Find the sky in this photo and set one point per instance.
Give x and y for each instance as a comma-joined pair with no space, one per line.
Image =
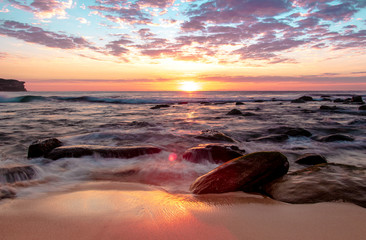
163,45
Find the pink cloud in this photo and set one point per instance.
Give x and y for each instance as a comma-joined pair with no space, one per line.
37,35
45,9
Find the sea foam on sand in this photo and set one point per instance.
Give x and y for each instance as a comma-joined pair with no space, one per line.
105,210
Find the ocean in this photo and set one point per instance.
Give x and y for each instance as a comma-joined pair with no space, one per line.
126,119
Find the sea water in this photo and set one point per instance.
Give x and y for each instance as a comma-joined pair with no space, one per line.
126,119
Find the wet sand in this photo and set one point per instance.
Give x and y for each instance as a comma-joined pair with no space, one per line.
105,210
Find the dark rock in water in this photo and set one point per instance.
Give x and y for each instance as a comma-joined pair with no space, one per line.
306,98
140,124
357,99
272,138
16,173
321,183
42,147
10,85
290,131
213,153
7,192
214,135
249,114
297,101
239,103
328,108
182,103
246,173
326,99
234,112
104,151
160,106
336,137
339,100
311,159
362,108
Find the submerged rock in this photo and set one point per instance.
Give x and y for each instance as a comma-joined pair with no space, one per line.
42,147
77,151
245,173
239,103
16,173
271,138
290,131
336,137
298,101
213,153
7,192
234,112
214,135
160,106
362,108
321,183
311,159
328,108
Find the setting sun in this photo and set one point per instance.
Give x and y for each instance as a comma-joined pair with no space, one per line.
189,86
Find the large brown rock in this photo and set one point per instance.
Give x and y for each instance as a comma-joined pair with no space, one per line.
213,153
245,173
321,183
42,147
77,151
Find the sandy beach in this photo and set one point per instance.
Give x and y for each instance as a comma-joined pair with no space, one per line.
106,210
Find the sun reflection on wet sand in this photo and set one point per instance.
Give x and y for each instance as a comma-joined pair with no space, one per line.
108,210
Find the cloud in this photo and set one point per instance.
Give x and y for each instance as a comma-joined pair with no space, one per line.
3,55
325,78
37,35
82,20
45,9
117,47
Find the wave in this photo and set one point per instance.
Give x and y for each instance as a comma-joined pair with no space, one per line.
174,98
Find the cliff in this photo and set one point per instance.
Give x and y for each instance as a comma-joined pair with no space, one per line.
10,85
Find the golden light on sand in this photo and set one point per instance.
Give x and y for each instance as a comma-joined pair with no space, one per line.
189,86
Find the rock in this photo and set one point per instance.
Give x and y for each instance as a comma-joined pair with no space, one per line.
77,151
239,103
306,98
336,137
311,159
246,173
339,100
272,138
357,99
7,192
213,153
160,106
234,112
182,103
328,108
42,147
290,131
16,173
321,183
11,85
214,135
249,114
362,108
297,101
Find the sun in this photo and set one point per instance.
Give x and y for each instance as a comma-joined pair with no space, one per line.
189,86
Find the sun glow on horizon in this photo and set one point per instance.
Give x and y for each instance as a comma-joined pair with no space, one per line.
189,86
